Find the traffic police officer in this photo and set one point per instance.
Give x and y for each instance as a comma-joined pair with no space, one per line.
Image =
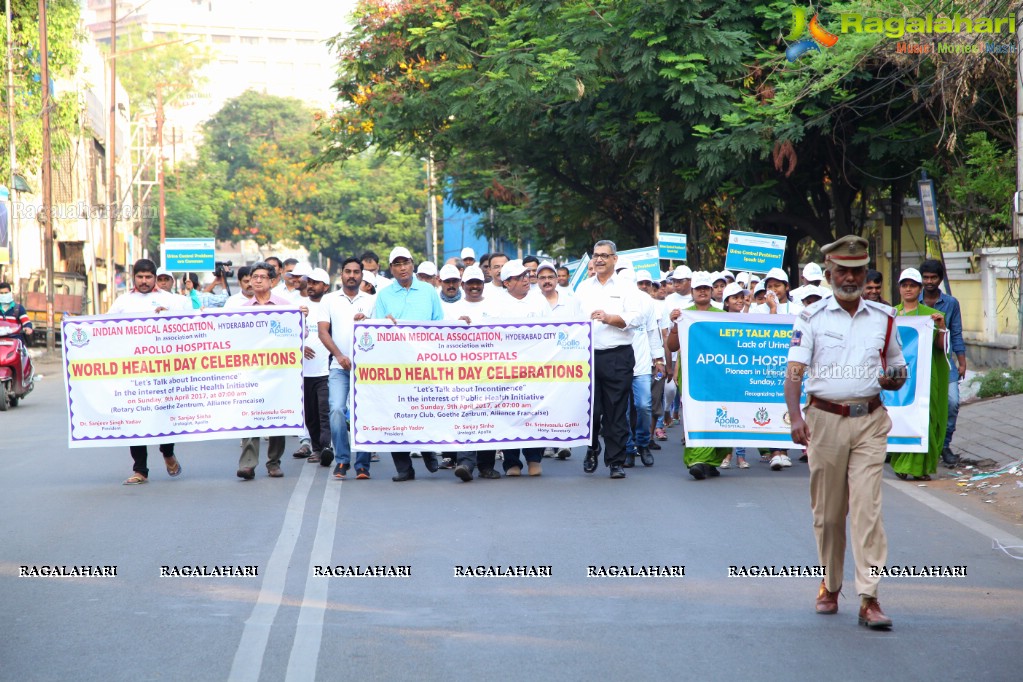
853,352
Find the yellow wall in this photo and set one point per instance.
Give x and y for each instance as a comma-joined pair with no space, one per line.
970,302
1008,315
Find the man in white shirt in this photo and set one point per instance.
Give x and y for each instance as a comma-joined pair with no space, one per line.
427,272
614,305
450,290
336,327
146,299
494,287
235,300
648,347
315,370
295,282
470,307
562,305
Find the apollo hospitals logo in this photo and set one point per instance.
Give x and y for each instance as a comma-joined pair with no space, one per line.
721,418
79,338
366,342
564,342
278,329
819,37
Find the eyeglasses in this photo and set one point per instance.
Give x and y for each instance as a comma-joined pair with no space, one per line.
602,256
256,278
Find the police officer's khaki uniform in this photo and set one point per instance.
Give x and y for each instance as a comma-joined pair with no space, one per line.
843,356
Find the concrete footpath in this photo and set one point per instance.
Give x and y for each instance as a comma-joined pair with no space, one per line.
989,433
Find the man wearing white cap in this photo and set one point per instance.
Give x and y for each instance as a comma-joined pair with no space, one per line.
315,370
812,276
853,353
369,283
427,272
648,349
165,280
468,256
407,298
336,328
450,289
470,307
614,306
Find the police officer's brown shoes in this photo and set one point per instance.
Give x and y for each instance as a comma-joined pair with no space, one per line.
827,602
246,473
872,616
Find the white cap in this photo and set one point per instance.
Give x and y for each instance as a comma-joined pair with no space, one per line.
715,276
317,275
300,270
754,277
810,290
547,265
449,272
427,268
627,275
702,279
164,272
467,252
398,252
911,274
777,273
731,289
473,272
643,276
728,274
512,268
682,272
812,272
760,287
369,276
742,278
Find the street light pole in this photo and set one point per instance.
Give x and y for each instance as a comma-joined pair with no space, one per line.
46,214
112,154
12,151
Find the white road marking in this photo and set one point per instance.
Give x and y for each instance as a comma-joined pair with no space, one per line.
986,529
248,659
305,650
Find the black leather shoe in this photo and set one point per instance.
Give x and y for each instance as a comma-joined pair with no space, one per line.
630,460
409,475
430,460
711,471
326,456
654,445
464,472
590,463
646,456
697,472
617,471
489,473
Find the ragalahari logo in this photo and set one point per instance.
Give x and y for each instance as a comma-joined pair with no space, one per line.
818,36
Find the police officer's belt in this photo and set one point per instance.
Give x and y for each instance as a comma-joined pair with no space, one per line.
851,410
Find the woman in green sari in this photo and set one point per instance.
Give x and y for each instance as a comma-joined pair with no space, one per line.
920,465
701,462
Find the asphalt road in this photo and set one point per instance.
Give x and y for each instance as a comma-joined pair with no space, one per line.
67,507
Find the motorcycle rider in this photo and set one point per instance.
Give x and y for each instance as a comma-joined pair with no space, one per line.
15,312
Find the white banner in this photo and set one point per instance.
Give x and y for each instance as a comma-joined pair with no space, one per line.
732,381
134,380
448,386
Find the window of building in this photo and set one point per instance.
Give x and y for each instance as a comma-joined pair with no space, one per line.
221,38
249,40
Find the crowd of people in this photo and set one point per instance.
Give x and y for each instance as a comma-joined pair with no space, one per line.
636,368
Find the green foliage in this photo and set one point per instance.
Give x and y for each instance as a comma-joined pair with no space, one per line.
252,180
974,195
142,65
998,382
62,38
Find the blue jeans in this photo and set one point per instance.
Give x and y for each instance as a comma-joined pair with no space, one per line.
953,407
338,385
639,435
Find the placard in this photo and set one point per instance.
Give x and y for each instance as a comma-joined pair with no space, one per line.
754,252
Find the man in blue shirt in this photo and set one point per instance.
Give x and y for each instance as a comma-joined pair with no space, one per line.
407,298
933,273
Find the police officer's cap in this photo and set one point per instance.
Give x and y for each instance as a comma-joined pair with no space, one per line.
850,251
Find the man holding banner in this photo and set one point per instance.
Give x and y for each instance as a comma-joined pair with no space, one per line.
853,352
147,298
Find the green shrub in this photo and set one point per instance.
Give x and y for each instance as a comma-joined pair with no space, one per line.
1001,382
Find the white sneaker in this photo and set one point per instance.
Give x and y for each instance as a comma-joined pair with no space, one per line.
743,465
725,465
776,462
785,461
548,452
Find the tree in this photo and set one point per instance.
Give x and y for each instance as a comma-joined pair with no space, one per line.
142,65
62,18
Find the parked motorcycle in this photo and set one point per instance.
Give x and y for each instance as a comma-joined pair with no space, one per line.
17,376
